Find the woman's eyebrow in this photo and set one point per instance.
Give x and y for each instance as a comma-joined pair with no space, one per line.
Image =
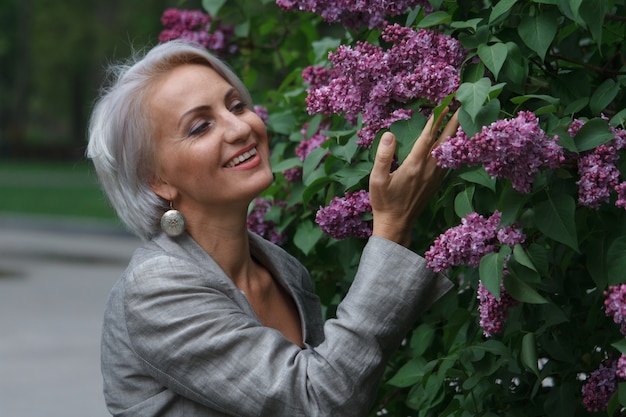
205,107
199,109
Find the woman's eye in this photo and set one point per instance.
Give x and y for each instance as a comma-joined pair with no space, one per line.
238,107
199,129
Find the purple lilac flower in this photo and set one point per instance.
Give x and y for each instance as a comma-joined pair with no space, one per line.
513,148
343,217
377,83
257,224
597,169
354,14
621,367
600,386
493,311
615,305
599,176
195,26
621,195
468,242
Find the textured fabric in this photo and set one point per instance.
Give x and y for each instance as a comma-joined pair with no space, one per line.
179,339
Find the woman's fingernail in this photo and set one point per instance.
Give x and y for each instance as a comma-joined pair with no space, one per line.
386,140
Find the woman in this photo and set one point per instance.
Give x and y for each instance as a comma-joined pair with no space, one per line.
209,319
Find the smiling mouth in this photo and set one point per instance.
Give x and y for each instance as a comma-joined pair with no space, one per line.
241,158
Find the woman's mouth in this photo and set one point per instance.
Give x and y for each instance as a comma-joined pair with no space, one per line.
241,158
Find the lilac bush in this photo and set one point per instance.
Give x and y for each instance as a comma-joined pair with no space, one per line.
532,213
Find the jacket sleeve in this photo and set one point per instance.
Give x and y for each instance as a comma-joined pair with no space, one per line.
196,340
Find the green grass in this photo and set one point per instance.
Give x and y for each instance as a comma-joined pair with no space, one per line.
67,189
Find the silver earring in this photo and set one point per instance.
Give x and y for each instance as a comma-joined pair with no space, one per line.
173,222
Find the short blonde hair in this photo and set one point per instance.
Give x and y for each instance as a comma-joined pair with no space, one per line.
121,131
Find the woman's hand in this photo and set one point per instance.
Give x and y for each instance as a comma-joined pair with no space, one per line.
397,198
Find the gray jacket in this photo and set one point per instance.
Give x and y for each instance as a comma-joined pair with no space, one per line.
179,338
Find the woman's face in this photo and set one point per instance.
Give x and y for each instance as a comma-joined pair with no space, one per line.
211,150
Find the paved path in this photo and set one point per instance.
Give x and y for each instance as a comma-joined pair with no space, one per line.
54,280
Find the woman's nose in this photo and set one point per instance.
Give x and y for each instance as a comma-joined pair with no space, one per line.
236,127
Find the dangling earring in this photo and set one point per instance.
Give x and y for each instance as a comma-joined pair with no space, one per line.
173,222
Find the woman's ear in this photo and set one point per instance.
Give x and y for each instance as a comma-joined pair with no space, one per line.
162,188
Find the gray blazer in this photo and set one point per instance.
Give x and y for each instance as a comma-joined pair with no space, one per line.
179,338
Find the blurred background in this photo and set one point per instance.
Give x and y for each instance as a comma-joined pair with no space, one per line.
61,247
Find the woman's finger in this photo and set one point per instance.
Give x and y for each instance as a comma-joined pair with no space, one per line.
383,160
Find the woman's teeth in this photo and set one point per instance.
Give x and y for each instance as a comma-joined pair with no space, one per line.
241,158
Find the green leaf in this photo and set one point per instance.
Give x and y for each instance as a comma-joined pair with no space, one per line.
529,353
310,170
493,56
307,235
549,99
594,133
501,9
314,187
406,132
520,256
351,175
411,373
346,151
463,201
480,176
619,119
490,270
282,122
434,19
286,164
213,6
620,345
554,217
576,105
570,8
487,114
603,96
538,32
470,24
321,47
421,339
473,95
616,261
593,12
521,291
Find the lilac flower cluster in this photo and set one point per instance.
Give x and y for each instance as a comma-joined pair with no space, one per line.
512,148
354,14
257,224
468,242
598,172
304,149
615,305
195,26
369,80
493,311
343,217
600,386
